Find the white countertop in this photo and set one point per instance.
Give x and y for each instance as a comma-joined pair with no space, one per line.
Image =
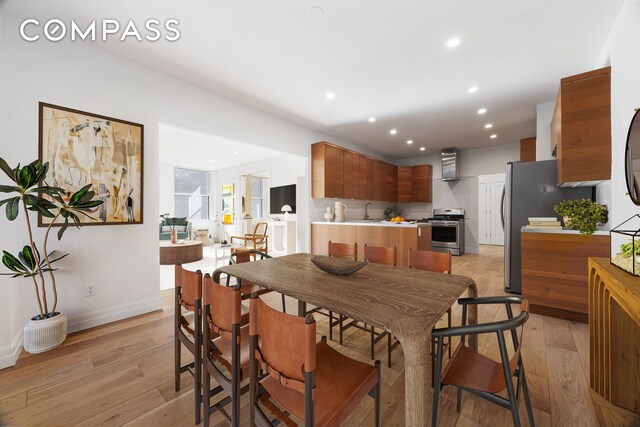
563,231
377,223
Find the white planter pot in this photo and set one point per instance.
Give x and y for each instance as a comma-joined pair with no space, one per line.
43,335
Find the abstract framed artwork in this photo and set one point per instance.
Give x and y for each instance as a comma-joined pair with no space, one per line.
227,190
85,148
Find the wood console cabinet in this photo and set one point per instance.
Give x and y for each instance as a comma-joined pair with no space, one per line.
554,271
614,334
344,174
581,128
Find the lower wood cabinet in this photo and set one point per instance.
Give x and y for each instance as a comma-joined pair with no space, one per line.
555,272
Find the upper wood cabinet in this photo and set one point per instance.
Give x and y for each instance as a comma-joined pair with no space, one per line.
327,171
378,181
366,178
421,183
528,149
405,178
389,182
351,175
581,128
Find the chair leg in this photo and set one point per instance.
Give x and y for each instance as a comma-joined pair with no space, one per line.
197,365
513,402
284,304
341,320
527,399
373,343
206,386
449,325
389,350
377,396
458,399
331,325
177,361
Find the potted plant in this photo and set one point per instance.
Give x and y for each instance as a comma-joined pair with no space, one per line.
583,215
392,212
30,193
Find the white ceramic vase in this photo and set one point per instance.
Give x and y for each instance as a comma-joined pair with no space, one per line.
43,335
329,215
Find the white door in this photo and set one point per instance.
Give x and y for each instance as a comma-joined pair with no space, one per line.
495,225
483,214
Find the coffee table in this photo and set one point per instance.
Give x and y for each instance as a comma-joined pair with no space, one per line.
189,251
224,248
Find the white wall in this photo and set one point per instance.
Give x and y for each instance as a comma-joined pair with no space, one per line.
464,193
121,260
625,97
544,116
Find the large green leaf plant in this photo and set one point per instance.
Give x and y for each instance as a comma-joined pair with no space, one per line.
30,192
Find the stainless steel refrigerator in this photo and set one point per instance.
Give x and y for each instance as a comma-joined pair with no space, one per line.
530,190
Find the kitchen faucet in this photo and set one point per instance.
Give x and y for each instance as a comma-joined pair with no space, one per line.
366,210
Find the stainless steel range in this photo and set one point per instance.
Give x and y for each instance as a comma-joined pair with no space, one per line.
447,230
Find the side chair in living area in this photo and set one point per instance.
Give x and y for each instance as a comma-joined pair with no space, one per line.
378,255
477,374
309,380
258,240
187,328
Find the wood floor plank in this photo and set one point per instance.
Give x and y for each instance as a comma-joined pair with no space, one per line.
126,411
571,403
557,333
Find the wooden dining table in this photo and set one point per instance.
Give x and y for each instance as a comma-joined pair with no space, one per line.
405,302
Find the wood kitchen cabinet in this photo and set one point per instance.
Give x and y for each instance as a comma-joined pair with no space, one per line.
327,171
405,178
351,175
581,128
528,149
378,187
421,183
366,178
389,182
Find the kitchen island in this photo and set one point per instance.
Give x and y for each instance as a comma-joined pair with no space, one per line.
403,236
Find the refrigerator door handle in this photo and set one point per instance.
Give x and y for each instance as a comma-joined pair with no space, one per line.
503,207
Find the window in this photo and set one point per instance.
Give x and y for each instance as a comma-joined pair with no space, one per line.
191,193
257,199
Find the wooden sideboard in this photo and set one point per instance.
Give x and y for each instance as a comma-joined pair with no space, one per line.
554,271
614,333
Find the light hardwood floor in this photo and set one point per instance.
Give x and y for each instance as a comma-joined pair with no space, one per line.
122,373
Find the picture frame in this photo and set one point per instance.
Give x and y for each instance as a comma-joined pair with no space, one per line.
227,190
87,148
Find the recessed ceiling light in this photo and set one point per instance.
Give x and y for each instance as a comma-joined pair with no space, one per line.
422,148
409,141
315,12
393,131
330,95
488,126
453,42
493,136
473,89
372,119
235,152
482,111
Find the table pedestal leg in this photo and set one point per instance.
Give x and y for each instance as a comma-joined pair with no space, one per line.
418,393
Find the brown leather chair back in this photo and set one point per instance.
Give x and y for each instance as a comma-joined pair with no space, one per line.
190,286
225,302
343,250
438,262
242,255
286,343
380,254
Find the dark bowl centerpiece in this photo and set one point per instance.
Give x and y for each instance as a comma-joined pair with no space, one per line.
337,266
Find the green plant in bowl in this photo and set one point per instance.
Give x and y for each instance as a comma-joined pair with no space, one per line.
583,215
392,212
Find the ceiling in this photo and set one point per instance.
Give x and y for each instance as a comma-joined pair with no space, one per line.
381,58
197,150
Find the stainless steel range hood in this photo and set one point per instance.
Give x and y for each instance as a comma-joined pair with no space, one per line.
450,164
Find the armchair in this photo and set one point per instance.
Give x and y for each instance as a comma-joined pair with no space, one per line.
257,241
182,226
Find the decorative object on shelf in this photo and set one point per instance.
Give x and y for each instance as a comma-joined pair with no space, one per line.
102,152
632,159
627,236
48,329
340,209
337,266
328,216
583,215
392,212
286,209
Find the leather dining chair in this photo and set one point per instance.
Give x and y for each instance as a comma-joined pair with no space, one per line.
248,288
377,255
187,328
309,380
338,250
479,375
226,348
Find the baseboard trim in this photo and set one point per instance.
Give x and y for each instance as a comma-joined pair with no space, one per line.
472,250
9,355
92,319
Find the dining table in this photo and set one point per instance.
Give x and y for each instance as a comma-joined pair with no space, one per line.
405,302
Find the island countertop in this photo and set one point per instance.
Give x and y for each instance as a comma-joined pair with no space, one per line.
374,223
